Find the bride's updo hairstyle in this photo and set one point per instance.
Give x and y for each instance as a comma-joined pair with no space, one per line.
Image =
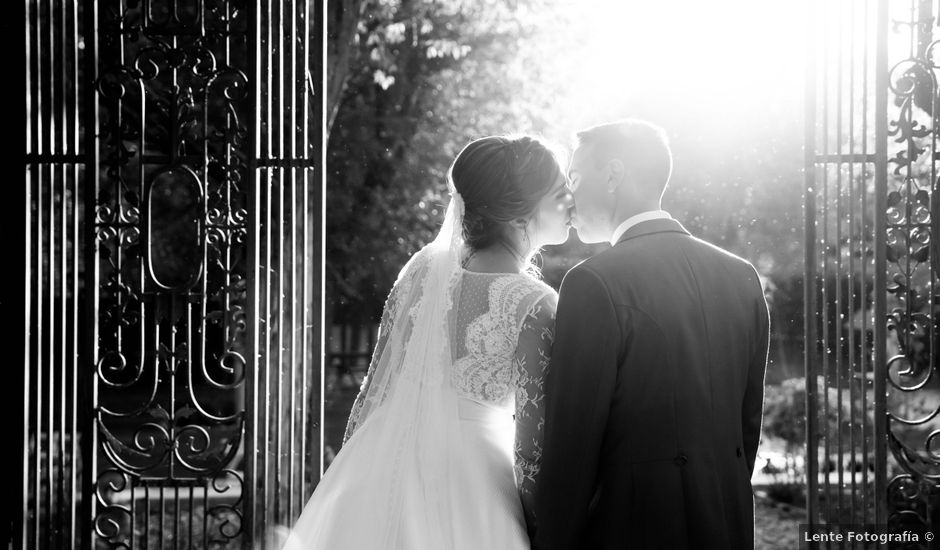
501,179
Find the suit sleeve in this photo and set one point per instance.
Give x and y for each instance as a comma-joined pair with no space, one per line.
752,409
578,392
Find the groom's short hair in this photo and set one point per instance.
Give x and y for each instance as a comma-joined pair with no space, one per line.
642,146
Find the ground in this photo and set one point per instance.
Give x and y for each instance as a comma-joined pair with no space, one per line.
776,525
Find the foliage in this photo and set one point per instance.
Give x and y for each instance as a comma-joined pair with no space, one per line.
785,419
792,493
429,76
785,410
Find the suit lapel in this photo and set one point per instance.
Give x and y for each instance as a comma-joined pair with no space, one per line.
650,227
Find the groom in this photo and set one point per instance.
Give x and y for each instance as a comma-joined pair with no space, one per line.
655,391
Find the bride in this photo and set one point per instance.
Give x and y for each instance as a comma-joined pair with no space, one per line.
443,441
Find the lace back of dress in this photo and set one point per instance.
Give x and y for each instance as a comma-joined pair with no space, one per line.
490,312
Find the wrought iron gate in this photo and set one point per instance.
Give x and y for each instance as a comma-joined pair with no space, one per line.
872,258
173,209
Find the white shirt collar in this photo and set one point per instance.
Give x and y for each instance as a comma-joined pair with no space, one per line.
633,220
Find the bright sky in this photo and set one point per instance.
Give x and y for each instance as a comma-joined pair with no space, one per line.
709,59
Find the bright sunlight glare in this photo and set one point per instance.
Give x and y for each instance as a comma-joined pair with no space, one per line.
710,60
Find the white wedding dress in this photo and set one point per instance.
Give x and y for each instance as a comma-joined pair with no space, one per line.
443,442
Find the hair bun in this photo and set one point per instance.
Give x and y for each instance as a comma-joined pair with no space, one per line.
501,178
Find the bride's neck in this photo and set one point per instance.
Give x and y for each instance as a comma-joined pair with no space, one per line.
497,258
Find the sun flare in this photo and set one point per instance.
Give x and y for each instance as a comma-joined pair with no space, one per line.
728,56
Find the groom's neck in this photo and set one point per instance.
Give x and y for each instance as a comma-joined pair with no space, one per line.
624,213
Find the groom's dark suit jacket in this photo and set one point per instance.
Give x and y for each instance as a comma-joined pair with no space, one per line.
654,398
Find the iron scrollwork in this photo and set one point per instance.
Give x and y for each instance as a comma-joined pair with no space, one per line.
912,280
171,239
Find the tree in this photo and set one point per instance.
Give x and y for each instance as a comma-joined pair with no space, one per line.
342,24
428,76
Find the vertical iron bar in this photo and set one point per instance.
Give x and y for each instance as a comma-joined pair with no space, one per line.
67,336
932,269
852,378
191,489
205,520
839,335
809,273
268,487
269,227
76,247
292,36
147,515
863,191
881,187
24,198
252,418
63,280
305,273
177,535
63,356
38,91
51,89
278,124
824,244
162,521
324,137
133,512
40,320
202,311
838,251
171,409
268,258
292,365
45,274
24,511
49,187
88,352
27,68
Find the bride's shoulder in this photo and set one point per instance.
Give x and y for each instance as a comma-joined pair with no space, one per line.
536,292
539,284
415,265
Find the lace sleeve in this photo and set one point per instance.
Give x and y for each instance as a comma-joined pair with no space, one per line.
356,417
530,366
400,298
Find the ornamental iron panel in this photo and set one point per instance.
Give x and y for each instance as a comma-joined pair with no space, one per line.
872,293
173,214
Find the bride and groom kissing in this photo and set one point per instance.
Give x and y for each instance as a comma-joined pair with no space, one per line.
622,412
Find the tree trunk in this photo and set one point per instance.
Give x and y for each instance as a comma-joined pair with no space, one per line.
343,18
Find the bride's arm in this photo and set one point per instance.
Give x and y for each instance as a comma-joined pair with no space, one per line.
531,363
357,416
401,296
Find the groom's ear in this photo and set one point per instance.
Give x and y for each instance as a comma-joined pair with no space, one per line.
615,174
